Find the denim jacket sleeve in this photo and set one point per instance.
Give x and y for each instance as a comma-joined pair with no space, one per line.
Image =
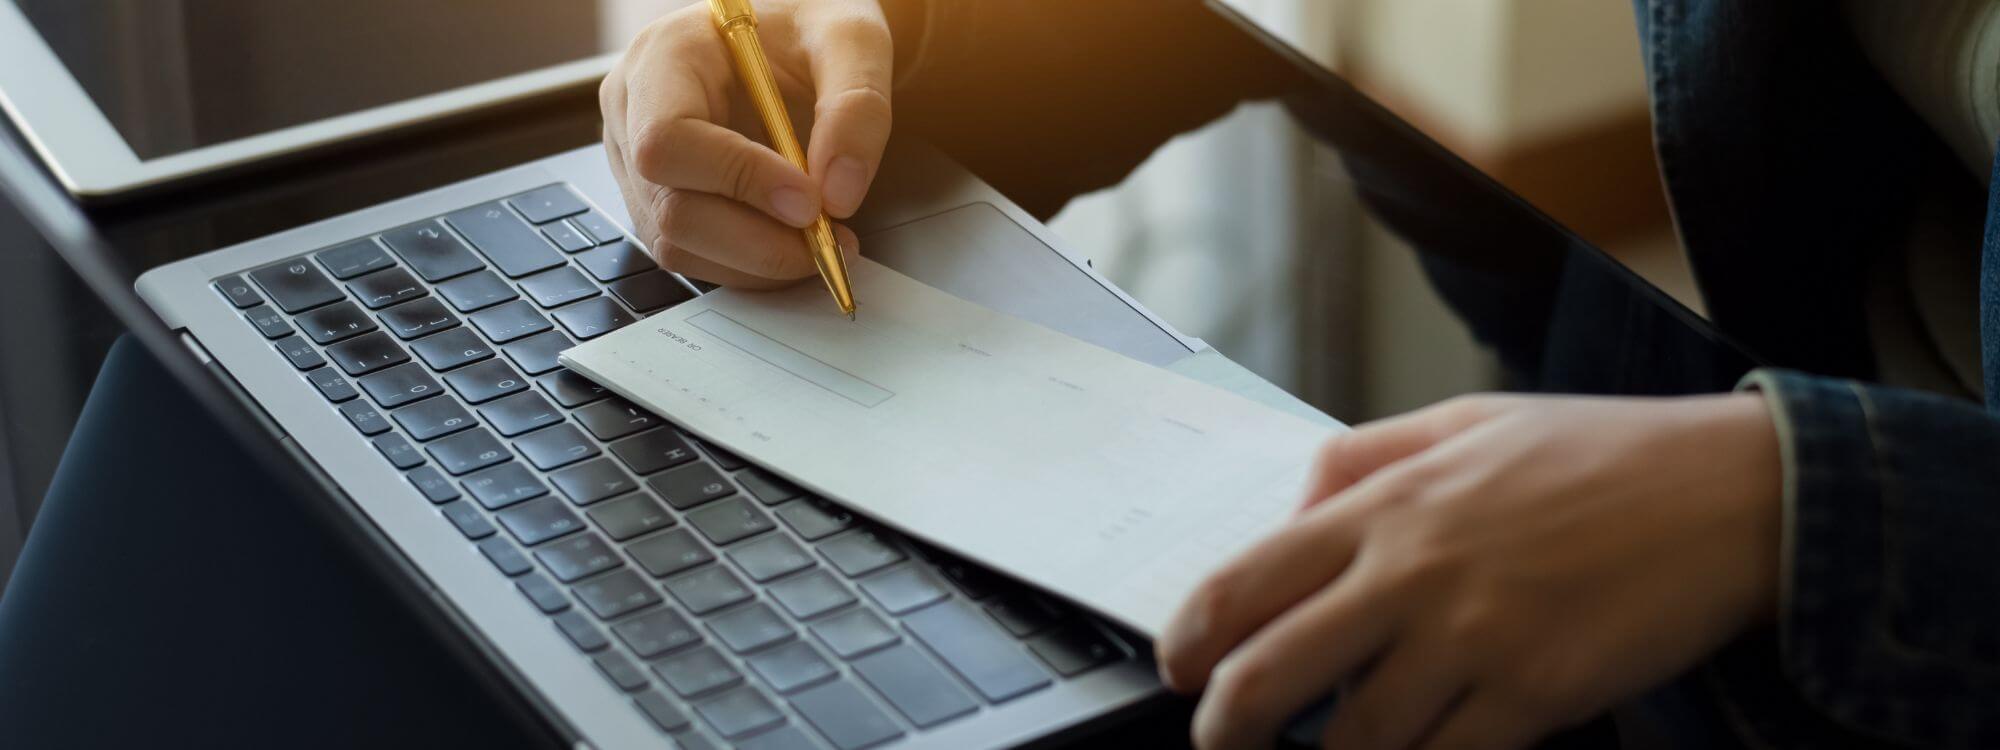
1890,618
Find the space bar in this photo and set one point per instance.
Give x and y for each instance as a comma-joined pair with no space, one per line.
994,664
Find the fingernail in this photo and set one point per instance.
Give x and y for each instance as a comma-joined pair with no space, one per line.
793,207
846,185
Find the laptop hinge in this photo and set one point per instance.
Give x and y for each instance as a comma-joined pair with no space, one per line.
200,352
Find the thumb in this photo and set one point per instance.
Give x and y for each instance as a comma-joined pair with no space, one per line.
1352,456
852,68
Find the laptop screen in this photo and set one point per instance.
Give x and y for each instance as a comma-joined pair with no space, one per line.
176,75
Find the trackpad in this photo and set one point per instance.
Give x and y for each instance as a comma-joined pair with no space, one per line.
980,255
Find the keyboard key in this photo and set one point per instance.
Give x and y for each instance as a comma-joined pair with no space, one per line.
454,348
353,259
572,390
476,291
559,446
619,669
596,480
418,319
976,582
335,323
653,451
616,593
814,519
1074,649
728,461
537,354
1021,614
385,288
787,737
238,292
649,291
628,517
592,318
669,553
538,521
545,594
485,381
469,451
657,632
859,553
295,285
663,712
903,589
331,385
750,628
468,520
399,451
690,485
613,262
577,557
923,693
854,632
365,417
400,385
366,354
810,595
513,246
544,205
268,321
568,238
994,664
769,489
435,253
301,354
599,227
615,418
770,557
520,413
845,716
504,485
510,321
740,712
730,520
791,666
708,589
699,671
557,287
435,487
505,556
435,418
581,631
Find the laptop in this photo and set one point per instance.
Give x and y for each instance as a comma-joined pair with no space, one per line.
634,586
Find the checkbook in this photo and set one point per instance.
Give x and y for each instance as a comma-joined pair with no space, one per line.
1101,479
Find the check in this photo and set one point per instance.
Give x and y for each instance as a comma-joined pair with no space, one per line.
1104,480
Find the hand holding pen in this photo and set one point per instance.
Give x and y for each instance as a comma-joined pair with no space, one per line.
713,203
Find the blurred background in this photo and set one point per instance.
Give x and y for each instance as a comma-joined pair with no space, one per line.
1547,96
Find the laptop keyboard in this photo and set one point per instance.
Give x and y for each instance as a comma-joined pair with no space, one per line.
734,608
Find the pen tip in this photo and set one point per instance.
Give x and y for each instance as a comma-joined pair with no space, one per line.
850,316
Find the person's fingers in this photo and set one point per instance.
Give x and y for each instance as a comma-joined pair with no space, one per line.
1484,721
1351,456
1296,659
1399,699
853,70
676,97
1262,582
733,235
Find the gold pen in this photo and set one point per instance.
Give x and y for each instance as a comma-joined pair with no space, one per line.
738,26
